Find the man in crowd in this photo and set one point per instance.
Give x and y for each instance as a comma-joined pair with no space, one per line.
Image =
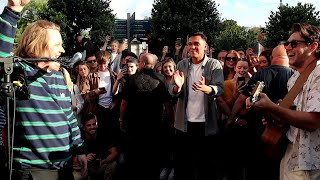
197,82
101,152
302,157
275,78
47,132
145,93
91,61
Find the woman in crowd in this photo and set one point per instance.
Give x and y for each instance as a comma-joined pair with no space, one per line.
229,63
265,58
233,134
168,68
76,98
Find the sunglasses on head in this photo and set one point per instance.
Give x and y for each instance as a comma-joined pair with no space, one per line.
231,58
294,43
92,61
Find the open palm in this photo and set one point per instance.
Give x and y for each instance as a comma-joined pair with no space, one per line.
178,78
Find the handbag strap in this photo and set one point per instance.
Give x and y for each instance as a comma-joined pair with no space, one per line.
297,87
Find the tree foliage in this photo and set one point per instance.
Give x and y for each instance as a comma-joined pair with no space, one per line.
73,17
32,12
80,15
175,19
233,36
280,22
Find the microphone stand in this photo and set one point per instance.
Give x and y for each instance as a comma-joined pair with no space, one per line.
8,90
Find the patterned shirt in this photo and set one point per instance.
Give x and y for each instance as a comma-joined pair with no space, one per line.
306,144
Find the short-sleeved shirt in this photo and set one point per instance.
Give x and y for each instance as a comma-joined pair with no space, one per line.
306,144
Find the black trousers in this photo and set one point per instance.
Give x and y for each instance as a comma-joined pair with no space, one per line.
108,124
196,155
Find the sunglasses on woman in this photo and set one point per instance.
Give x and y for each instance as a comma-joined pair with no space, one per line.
231,58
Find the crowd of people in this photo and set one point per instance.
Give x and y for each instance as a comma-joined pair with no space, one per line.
182,116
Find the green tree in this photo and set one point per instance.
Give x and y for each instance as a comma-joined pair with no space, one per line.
175,19
32,12
93,15
233,36
280,22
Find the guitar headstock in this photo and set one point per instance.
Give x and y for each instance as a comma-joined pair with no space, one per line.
256,91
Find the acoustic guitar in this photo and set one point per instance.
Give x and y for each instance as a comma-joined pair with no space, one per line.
274,134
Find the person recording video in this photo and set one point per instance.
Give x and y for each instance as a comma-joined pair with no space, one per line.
46,132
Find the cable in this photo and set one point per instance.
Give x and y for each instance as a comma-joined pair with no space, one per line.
12,139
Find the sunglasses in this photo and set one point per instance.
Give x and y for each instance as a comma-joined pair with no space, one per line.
294,43
92,61
231,58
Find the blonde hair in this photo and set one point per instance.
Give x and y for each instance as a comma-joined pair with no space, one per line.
67,78
78,81
34,39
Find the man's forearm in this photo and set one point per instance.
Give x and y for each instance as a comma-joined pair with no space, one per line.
304,120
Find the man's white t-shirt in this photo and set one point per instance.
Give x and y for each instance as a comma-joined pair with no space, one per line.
195,106
105,99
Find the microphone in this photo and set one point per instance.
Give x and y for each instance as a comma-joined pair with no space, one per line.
75,58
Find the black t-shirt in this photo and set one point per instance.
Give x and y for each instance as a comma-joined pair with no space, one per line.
275,79
99,146
145,93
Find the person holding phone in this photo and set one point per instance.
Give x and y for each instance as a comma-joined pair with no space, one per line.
234,86
165,51
233,162
97,93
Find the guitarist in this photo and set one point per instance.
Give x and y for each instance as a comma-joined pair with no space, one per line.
275,78
302,158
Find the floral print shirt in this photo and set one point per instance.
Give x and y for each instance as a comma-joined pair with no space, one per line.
306,144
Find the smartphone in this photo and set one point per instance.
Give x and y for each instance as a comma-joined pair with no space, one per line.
144,45
102,88
178,41
124,70
241,81
167,48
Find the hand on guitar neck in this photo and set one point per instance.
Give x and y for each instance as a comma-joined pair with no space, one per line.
274,135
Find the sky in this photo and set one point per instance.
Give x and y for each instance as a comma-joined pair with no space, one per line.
249,13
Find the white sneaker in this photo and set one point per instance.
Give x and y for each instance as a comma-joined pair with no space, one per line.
164,174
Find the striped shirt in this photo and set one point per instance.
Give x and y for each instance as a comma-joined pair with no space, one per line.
46,129
8,25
